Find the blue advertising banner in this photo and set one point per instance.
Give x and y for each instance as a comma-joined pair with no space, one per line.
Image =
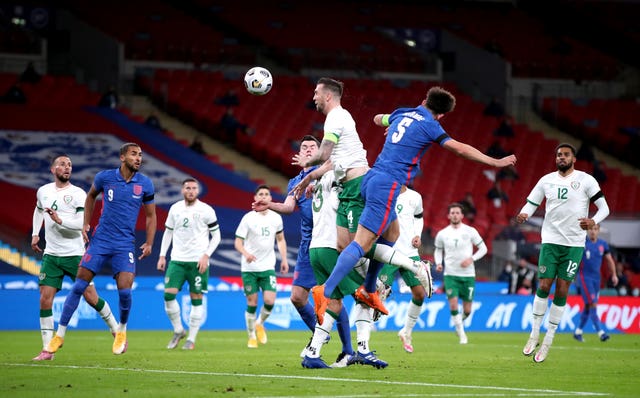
225,305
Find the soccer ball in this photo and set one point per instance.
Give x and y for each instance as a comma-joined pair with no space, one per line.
258,80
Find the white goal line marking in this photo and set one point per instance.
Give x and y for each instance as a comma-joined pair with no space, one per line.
316,378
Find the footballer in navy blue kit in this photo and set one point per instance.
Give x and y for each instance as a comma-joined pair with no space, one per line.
595,250
411,131
124,191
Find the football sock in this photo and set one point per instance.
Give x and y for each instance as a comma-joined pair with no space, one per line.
344,330
320,334
308,315
265,311
389,255
250,320
363,328
555,316
374,268
593,314
584,317
46,326
457,323
346,261
195,319
104,309
413,312
172,308
72,301
539,309
125,304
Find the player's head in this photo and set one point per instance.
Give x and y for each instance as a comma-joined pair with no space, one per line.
262,194
61,168
439,101
593,232
327,94
308,146
190,189
455,214
565,157
131,156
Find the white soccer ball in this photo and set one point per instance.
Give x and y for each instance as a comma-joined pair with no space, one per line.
258,80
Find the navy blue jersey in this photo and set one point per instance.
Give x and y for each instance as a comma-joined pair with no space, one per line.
304,204
121,202
411,133
592,258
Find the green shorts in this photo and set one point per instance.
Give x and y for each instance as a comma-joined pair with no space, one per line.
459,286
253,282
388,273
351,204
180,271
323,261
559,261
54,269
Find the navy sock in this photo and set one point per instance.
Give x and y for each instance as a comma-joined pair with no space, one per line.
346,261
374,268
584,316
125,304
593,314
344,331
308,315
72,300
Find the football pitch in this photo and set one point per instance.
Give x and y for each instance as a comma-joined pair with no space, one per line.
491,365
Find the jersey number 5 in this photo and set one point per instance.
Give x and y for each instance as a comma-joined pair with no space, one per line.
402,126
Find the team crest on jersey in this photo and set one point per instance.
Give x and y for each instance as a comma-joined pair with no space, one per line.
575,185
137,189
67,199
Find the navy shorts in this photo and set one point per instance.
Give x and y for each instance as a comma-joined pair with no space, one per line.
380,193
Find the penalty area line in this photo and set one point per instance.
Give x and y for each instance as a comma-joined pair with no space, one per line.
314,378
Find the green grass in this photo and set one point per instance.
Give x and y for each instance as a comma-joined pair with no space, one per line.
490,365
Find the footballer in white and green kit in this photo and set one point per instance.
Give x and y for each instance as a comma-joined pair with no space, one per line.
568,194
193,232
456,241
60,205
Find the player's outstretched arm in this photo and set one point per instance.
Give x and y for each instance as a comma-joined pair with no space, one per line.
468,152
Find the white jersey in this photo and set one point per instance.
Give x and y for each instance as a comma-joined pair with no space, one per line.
68,202
340,128
568,200
324,208
258,230
408,206
191,226
457,244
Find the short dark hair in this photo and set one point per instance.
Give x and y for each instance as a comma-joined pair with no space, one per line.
455,204
440,101
335,86
309,137
55,158
125,147
262,186
566,145
189,179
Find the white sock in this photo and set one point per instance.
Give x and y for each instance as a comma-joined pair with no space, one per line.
555,316
109,319
388,255
195,319
539,309
320,334
122,327
46,329
413,312
264,314
457,323
363,328
578,331
172,308
250,320
62,330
